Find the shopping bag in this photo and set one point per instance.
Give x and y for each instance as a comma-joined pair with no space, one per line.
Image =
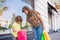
22,35
42,37
46,35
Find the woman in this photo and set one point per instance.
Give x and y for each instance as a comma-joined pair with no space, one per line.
16,26
35,20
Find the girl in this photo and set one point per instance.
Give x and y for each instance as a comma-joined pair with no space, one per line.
16,26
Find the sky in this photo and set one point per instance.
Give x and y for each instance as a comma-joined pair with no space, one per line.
14,6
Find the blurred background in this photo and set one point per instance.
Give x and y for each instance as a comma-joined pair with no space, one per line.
49,10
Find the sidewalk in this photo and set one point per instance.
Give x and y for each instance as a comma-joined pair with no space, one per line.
55,36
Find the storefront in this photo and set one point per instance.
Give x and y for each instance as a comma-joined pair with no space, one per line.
48,11
51,17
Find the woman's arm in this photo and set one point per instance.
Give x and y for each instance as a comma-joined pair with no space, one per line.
39,17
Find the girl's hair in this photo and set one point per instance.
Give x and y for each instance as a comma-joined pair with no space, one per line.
19,19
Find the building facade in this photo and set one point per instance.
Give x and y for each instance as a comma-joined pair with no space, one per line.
51,19
42,8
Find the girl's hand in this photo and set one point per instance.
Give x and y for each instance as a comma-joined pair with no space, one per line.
14,30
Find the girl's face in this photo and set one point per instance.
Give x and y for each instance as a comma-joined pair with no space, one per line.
18,19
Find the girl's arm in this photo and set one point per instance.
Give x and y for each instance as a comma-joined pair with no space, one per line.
13,29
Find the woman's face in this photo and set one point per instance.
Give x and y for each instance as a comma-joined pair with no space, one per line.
26,11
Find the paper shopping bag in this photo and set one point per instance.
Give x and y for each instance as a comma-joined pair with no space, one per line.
42,37
46,35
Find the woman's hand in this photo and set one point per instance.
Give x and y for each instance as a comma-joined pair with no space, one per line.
34,21
43,27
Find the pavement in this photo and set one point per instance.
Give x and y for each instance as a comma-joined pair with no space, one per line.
55,36
30,36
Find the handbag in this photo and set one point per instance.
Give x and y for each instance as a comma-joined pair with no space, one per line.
22,35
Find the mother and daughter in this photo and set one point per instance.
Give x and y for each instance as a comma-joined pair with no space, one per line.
34,18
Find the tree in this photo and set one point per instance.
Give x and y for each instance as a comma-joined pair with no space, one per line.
13,20
2,3
2,7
